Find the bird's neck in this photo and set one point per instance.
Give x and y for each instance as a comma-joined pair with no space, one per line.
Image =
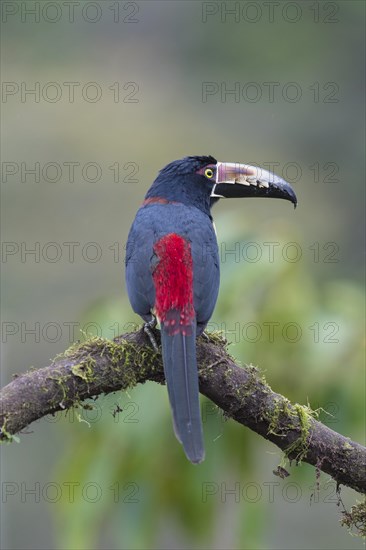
184,193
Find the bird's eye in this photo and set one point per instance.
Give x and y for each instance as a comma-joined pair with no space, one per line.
209,173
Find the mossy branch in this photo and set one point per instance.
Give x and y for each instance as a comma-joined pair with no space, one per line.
99,366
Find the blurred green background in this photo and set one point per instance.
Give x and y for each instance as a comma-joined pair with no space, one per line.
88,479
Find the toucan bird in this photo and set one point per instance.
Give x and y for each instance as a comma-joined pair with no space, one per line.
172,269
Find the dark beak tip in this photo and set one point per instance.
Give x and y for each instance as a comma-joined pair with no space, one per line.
288,193
293,199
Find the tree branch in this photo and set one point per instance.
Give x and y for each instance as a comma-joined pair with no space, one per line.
103,366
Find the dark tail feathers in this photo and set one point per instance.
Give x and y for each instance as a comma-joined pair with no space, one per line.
180,367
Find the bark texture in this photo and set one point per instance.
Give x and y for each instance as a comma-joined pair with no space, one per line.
100,366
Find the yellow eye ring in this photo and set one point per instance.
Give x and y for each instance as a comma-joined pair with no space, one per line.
209,173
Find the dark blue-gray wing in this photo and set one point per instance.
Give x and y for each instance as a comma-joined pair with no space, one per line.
206,274
139,258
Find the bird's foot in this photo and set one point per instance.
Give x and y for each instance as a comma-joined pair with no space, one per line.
148,329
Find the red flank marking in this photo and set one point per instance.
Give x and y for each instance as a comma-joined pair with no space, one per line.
157,200
173,280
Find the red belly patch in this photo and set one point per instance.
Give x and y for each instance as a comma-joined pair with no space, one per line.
173,280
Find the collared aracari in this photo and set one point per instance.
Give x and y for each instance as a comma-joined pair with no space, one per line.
172,269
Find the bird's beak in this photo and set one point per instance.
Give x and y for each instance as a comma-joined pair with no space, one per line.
241,180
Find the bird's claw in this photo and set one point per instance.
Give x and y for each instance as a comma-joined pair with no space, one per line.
148,329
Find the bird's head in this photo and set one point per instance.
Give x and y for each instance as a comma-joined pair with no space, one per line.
201,181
